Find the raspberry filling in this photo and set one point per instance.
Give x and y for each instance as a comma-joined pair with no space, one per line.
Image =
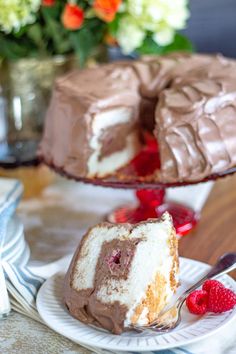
118,261
114,258
113,261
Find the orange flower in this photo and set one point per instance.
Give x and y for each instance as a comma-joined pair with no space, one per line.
72,17
106,9
48,3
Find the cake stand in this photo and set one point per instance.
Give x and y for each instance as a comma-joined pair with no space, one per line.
139,175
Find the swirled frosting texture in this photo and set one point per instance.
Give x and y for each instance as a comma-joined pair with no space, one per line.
196,128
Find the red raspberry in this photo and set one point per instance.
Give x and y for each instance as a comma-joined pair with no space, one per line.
197,302
208,284
221,299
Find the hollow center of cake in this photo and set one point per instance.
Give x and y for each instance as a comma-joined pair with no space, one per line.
116,258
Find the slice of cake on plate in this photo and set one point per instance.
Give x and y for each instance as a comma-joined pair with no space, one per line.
123,274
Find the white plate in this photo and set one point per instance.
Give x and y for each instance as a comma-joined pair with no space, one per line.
191,329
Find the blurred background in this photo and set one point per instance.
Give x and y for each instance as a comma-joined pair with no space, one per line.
212,26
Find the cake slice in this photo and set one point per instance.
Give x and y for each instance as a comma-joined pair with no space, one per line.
123,274
92,126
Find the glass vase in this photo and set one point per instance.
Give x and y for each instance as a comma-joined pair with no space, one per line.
25,90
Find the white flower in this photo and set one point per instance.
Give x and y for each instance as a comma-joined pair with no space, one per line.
164,36
161,17
17,13
130,36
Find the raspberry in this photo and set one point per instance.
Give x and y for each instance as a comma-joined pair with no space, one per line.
221,299
208,284
197,302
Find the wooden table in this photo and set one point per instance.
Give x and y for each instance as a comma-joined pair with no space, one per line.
53,226
216,231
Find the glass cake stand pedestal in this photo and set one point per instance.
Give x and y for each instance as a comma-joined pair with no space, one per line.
142,175
152,204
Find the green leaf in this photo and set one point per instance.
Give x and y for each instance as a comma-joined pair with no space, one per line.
86,39
36,35
54,34
114,25
83,43
52,11
12,49
180,43
149,46
21,32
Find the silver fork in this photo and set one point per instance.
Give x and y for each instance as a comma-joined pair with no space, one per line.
171,318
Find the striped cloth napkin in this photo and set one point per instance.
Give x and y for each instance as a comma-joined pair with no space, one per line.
16,280
23,283
10,194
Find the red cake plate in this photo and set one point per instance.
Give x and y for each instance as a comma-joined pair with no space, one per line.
142,175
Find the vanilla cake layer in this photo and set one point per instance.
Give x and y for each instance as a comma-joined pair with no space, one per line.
123,274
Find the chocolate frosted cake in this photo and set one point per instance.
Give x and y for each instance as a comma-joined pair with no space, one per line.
96,117
92,123
123,274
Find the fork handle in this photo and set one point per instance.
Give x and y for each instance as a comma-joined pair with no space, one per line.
225,264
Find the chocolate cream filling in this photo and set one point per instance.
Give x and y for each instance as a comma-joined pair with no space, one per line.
114,138
114,262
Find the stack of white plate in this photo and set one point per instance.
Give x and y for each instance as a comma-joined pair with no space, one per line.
15,249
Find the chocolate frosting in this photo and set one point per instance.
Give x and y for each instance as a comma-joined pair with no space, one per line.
114,262
196,123
154,74
189,99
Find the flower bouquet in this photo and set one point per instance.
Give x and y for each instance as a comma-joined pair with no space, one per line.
42,28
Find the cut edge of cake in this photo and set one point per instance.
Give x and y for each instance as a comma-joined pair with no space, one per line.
114,118
92,123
